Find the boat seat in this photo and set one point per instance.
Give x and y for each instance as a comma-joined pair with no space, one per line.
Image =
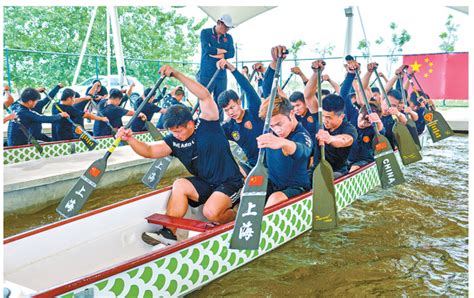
180,223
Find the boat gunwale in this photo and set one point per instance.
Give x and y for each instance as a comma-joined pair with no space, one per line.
146,258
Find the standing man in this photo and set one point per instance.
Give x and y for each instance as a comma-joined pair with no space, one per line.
216,44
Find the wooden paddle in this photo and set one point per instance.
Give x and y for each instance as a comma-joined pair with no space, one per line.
388,168
324,193
248,223
154,174
84,136
406,146
87,183
411,125
438,127
214,76
31,139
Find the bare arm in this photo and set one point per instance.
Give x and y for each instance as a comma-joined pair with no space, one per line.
310,93
333,84
155,150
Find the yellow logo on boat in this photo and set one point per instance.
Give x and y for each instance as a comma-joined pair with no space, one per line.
236,135
429,117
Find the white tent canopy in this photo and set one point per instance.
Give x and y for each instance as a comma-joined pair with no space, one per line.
239,14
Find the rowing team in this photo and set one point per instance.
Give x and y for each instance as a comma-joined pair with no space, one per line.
291,147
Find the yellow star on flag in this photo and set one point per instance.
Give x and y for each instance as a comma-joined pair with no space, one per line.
430,71
415,66
426,75
426,60
431,64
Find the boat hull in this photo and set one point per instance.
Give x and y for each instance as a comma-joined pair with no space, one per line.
182,268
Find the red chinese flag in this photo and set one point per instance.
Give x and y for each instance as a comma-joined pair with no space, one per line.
256,181
442,76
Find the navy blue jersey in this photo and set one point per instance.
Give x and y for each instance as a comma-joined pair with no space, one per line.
149,110
310,121
102,91
291,170
63,129
113,113
388,123
209,45
246,132
28,118
362,149
420,123
206,154
337,157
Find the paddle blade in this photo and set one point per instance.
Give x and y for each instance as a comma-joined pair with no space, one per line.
324,197
156,171
437,126
248,223
155,133
86,138
406,146
414,133
389,170
36,144
76,198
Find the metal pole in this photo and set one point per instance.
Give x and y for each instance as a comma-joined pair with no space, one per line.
97,67
348,41
108,48
84,46
7,60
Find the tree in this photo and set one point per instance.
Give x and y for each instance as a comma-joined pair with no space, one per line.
296,46
364,48
324,51
151,33
398,41
449,37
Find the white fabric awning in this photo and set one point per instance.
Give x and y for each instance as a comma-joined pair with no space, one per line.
239,14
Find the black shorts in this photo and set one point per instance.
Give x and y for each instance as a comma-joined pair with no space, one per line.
205,190
290,191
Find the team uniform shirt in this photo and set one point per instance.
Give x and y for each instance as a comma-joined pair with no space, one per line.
388,123
420,123
113,113
149,110
206,154
310,122
209,45
362,149
337,157
168,101
27,118
291,170
246,132
63,129
82,105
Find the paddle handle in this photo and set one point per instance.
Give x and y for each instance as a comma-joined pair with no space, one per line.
252,75
404,96
287,80
96,106
414,88
59,108
320,112
213,78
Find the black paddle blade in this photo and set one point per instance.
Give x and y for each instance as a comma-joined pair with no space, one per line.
36,144
387,165
248,223
437,126
80,192
156,171
324,197
86,138
155,133
406,146
414,132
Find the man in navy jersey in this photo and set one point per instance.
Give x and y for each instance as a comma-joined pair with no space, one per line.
216,44
309,120
149,110
28,117
288,149
394,98
204,150
362,152
242,126
111,109
63,129
175,97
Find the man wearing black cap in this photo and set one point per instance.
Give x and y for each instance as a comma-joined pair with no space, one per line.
216,44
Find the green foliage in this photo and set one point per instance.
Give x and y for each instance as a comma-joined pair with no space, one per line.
449,37
364,46
148,33
296,46
324,51
399,39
